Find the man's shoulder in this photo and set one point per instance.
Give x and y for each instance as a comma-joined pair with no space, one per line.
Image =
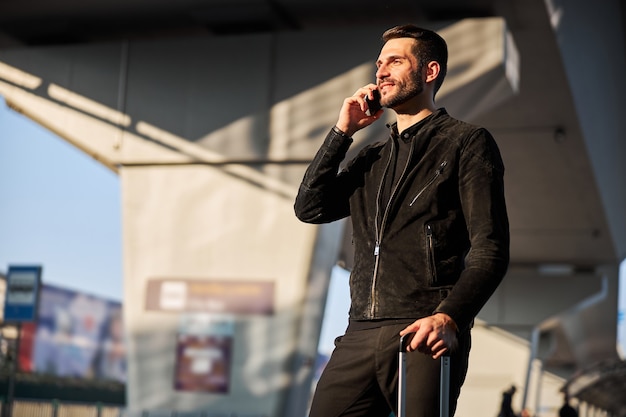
473,140
445,120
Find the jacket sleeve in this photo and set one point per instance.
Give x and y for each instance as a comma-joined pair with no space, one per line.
481,189
324,193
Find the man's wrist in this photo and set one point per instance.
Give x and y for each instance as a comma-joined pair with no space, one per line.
341,131
448,321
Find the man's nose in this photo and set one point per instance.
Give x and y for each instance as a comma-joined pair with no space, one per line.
381,72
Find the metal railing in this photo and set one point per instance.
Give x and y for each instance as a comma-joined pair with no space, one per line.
38,408
41,408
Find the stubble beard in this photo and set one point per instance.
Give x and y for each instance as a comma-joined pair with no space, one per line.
406,91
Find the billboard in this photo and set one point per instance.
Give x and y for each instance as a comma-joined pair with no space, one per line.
75,335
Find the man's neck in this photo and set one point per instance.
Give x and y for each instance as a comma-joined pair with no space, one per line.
405,120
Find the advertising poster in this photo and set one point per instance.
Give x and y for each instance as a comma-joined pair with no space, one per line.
203,353
76,335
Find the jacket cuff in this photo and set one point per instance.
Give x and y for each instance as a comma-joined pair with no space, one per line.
337,141
340,132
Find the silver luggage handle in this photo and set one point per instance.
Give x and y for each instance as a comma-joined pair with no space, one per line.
444,388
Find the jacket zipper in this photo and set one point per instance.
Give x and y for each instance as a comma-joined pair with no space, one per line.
438,172
379,232
431,253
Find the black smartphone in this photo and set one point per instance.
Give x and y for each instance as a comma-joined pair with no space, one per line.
373,105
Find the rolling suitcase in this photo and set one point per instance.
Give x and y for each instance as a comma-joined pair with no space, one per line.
444,388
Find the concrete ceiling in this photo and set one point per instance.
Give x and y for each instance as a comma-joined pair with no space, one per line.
556,214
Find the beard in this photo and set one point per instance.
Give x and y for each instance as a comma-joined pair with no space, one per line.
406,90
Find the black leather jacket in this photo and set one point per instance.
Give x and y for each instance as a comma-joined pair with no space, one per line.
440,243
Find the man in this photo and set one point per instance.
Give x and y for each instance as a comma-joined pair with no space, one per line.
430,234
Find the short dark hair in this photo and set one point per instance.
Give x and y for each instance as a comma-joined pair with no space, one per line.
430,47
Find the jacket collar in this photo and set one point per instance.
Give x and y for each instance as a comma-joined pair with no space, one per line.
410,132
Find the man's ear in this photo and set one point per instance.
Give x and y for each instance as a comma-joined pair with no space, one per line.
432,71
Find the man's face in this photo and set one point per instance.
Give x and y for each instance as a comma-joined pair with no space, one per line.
399,74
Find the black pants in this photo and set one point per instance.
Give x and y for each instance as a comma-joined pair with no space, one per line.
361,377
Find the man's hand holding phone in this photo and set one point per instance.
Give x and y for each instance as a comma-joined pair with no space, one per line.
356,113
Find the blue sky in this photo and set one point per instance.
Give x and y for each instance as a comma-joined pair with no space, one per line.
61,209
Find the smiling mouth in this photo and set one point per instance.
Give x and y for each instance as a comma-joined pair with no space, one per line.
384,86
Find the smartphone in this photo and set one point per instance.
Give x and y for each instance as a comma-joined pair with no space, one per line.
373,105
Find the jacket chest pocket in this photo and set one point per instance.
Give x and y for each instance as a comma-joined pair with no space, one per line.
429,182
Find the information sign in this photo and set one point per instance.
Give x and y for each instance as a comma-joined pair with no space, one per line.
22,293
